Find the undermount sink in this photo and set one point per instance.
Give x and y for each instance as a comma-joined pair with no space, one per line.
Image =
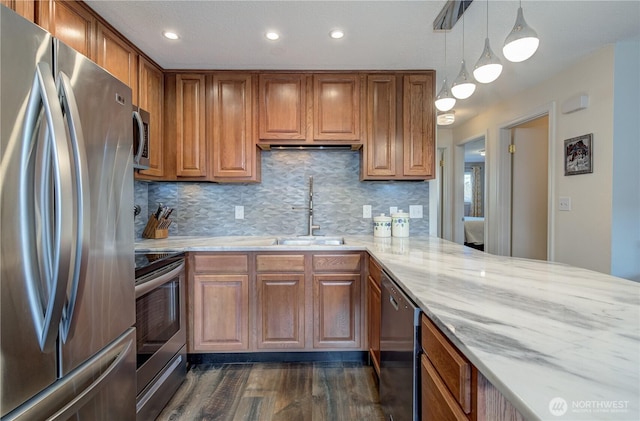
309,241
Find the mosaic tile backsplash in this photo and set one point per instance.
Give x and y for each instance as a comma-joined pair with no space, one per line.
208,209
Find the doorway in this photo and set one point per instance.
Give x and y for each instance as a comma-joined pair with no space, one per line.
474,194
529,230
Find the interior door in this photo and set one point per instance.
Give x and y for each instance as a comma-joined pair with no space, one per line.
529,196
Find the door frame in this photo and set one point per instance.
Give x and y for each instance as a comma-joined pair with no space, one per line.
502,227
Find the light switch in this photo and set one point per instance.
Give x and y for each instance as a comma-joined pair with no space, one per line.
415,211
366,211
393,209
239,212
564,204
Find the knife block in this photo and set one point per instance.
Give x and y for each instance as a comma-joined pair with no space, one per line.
152,230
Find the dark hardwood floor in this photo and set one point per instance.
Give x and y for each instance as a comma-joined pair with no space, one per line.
331,391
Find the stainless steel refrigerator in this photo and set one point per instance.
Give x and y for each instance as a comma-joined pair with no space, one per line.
66,264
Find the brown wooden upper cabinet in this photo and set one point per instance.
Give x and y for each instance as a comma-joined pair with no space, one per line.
151,98
400,124
336,107
25,8
283,106
191,148
309,109
118,57
231,128
69,21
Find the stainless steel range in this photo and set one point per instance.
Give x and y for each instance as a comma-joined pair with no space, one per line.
160,330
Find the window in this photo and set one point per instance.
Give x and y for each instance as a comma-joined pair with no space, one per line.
468,184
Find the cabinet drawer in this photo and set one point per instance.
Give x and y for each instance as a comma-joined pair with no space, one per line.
336,263
437,402
280,263
375,271
451,365
221,263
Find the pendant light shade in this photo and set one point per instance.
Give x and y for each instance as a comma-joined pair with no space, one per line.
522,42
463,86
445,101
488,67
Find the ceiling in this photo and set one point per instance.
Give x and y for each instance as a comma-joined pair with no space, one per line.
390,35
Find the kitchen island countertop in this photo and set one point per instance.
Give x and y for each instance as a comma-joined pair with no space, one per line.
540,332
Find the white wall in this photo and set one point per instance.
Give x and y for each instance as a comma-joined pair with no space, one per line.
625,230
582,236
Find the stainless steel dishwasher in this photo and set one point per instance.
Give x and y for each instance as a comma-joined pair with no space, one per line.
399,354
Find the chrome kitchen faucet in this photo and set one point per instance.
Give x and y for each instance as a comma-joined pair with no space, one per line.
310,209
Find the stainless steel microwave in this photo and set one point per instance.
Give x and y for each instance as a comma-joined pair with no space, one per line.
140,138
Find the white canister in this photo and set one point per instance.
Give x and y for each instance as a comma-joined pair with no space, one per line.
382,226
400,224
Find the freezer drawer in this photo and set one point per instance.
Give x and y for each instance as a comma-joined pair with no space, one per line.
102,389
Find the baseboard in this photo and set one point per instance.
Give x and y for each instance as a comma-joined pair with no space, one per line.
279,357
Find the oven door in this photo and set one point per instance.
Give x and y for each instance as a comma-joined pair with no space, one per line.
160,320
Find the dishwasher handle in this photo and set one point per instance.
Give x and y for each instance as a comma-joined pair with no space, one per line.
393,302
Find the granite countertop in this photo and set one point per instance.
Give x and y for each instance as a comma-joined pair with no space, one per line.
538,331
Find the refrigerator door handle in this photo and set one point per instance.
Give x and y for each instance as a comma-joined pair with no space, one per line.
80,186
46,290
143,139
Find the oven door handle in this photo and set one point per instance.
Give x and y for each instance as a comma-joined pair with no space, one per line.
148,286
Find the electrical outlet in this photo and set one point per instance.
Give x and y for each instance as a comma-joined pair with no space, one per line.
393,209
415,211
239,212
366,211
564,204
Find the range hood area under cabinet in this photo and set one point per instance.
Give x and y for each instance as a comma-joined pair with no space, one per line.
217,122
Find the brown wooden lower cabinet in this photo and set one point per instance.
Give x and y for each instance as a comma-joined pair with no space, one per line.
336,311
220,313
452,389
374,307
259,302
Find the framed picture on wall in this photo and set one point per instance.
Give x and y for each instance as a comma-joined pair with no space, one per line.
578,155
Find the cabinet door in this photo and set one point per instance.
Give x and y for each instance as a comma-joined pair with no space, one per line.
282,107
25,8
380,146
118,57
336,107
70,22
336,311
151,98
220,313
280,311
191,149
437,402
374,320
234,147
418,126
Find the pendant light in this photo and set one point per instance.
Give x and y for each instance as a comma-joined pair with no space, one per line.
488,67
522,42
463,87
445,101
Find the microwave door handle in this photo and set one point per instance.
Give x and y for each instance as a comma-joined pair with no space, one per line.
143,138
79,234
46,296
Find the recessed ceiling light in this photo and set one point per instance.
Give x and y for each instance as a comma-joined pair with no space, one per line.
170,35
272,35
336,34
